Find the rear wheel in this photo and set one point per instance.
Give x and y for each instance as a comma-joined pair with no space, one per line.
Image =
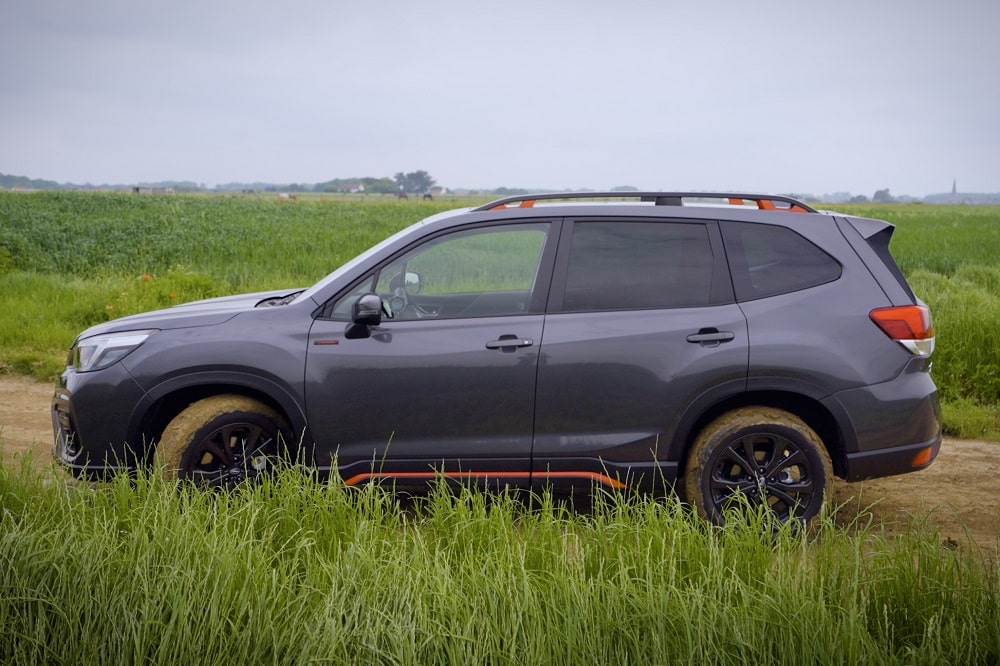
222,441
761,456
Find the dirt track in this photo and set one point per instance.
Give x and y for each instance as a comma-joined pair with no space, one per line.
956,494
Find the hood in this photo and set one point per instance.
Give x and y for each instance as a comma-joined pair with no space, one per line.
206,312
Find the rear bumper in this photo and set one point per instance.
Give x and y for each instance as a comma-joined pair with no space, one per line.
888,462
889,428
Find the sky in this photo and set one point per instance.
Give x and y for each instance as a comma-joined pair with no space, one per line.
766,96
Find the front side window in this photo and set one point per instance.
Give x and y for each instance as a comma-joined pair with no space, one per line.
471,273
638,265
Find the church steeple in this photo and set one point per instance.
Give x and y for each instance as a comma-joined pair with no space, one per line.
954,186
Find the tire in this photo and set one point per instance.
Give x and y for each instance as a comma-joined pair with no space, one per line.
764,456
222,441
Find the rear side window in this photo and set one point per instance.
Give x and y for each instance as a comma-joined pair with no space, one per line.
638,265
769,260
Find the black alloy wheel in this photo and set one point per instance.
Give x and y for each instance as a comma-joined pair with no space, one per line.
222,442
761,457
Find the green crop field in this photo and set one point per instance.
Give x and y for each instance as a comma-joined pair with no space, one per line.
69,260
137,570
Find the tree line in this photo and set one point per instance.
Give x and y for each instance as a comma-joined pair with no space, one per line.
414,182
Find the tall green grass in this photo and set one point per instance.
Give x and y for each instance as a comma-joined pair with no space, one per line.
137,571
71,259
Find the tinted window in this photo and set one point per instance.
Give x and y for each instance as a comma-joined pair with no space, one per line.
638,265
504,259
768,260
477,273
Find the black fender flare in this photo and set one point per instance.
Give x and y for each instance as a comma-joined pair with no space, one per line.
732,391
282,395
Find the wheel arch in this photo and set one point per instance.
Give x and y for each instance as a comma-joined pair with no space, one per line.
807,408
167,400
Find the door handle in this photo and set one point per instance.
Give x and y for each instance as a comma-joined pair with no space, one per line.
710,337
509,343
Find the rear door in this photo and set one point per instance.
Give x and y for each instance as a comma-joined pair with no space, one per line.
642,323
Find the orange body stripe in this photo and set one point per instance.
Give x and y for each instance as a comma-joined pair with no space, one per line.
594,476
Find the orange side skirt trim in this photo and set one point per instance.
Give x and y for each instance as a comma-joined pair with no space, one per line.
593,476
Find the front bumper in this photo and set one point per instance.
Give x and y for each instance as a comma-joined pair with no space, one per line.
91,417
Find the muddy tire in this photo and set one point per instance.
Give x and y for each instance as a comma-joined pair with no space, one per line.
222,441
763,456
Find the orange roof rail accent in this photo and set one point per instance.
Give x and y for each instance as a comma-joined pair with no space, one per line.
767,204
527,203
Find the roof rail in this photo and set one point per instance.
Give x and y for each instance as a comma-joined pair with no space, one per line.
763,201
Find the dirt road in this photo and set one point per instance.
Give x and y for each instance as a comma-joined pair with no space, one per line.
957,494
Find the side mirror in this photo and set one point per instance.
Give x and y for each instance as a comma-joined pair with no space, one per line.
366,312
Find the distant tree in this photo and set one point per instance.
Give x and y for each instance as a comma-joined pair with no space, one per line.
379,185
31,183
415,181
336,185
624,188
860,198
510,191
882,196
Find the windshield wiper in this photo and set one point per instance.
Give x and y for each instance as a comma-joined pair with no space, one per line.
279,300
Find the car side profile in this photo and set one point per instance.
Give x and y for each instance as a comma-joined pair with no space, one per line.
724,345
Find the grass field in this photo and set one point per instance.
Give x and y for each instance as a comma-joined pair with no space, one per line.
69,260
298,572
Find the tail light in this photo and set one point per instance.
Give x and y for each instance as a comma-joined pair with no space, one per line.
909,325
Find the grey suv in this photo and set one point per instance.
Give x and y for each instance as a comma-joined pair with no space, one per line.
725,344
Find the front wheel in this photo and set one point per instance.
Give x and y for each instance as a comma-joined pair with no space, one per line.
222,441
759,455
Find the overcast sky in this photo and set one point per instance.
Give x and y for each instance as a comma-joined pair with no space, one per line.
797,96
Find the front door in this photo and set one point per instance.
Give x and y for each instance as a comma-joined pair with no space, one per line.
446,383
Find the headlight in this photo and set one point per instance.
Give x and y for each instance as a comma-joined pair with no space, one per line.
101,351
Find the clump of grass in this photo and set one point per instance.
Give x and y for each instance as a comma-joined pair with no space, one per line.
966,311
137,570
966,419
